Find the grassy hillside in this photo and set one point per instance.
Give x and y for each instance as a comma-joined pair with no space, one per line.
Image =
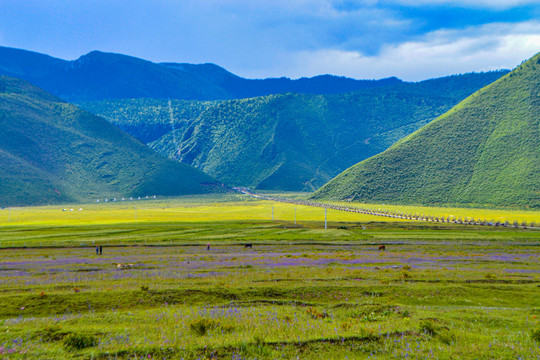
483,152
290,141
52,151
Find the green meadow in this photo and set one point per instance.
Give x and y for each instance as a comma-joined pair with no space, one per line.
229,207
300,291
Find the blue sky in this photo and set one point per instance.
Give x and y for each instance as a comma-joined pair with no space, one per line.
411,39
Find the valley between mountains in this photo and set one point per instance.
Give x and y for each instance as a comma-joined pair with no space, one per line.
268,134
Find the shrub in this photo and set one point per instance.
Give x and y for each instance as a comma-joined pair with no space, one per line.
77,341
347,325
144,288
427,327
405,313
406,275
202,326
315,314
226,328
446,337
535,335
373,312
259,339
51,333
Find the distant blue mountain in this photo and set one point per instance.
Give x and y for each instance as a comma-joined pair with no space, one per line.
98,76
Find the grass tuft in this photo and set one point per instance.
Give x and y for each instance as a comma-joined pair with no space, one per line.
78,341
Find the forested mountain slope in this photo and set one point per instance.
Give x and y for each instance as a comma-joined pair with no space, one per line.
288,141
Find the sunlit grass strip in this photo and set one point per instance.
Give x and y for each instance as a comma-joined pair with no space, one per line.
423,213
178,212
202,209
464,213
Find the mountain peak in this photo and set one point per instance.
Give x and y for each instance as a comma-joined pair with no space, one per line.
96,57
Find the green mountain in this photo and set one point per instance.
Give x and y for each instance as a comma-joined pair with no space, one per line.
148,119
52,151
289,141
100,76
483,152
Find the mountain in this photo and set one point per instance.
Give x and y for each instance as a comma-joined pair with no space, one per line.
483,152
148,119
52,151
99,76
287,141
240,88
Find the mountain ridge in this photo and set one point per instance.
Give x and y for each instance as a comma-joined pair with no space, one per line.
100,75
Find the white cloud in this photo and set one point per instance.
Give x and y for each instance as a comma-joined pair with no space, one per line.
439,53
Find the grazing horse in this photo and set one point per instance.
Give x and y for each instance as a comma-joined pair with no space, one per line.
248,246
382,247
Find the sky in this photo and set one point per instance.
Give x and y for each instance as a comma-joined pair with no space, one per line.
363,39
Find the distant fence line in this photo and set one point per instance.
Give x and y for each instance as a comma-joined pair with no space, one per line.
399,215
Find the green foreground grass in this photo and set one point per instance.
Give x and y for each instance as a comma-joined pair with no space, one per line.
438,291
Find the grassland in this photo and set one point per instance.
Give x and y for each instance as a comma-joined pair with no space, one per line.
438,291
228,207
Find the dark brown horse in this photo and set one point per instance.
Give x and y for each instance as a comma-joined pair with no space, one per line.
382,247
